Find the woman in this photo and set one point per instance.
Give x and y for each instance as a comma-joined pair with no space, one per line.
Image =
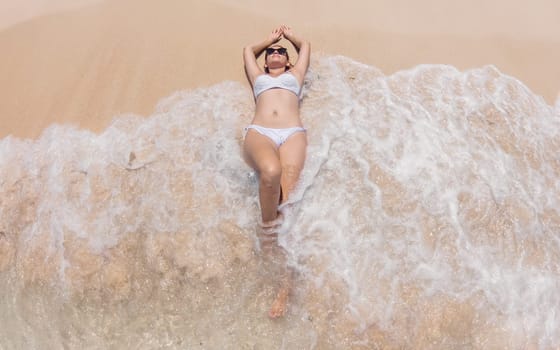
275,142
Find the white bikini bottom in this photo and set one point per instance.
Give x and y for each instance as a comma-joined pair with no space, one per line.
278,136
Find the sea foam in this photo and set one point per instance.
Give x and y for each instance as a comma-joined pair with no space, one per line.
427,216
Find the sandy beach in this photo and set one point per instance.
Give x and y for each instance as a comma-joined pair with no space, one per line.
86,62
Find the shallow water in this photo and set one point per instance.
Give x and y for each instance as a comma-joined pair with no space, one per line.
427,217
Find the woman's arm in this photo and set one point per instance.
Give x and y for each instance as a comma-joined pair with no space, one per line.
251,52
303,49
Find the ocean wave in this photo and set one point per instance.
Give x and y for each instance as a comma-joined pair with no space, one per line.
427,216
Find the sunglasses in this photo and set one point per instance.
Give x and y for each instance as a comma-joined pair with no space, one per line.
281,51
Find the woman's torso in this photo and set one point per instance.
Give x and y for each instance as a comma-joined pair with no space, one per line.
278,107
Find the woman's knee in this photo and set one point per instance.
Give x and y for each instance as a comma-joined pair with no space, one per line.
270,174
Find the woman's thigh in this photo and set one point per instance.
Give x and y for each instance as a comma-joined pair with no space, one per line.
293,151
260,151
292,159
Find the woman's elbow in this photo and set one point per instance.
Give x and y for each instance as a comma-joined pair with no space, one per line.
248,50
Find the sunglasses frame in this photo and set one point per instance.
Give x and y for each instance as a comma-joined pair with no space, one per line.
281,51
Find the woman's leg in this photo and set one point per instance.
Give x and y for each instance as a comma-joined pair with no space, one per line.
292,158
261,154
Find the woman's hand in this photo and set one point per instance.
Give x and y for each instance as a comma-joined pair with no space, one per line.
286,31
276,35
294,39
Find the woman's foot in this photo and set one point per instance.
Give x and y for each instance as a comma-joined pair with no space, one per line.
280,304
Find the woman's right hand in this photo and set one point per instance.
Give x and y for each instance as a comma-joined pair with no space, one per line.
276,35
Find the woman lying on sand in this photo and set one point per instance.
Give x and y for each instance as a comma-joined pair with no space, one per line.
275,141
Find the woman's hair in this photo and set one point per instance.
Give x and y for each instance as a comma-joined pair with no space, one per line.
288,66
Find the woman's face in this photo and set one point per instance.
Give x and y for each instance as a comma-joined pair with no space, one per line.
276,56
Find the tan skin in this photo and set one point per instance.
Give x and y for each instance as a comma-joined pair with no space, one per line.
278,168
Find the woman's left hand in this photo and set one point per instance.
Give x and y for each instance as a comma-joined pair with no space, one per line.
286,31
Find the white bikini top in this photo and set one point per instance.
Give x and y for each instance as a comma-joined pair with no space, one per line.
285,81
